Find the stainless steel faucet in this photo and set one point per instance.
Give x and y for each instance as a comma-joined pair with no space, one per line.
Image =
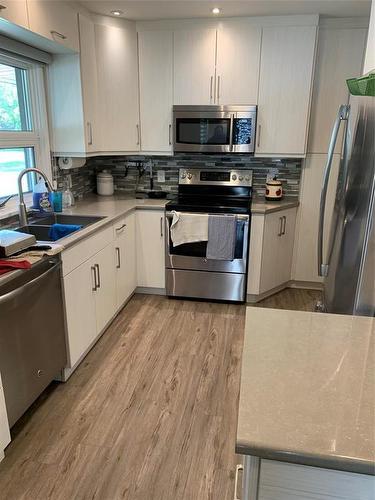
22,207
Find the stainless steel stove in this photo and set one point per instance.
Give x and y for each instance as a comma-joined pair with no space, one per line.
188,272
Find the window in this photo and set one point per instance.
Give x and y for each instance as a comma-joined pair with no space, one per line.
23,123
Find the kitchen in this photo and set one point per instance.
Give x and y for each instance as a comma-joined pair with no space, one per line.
156,328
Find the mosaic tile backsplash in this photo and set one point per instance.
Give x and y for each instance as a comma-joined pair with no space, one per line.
126,171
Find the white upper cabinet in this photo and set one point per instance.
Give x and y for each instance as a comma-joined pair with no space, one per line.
116,53
89,80
56,21
286,72
194,66
155,50
238,57
15,12
340,55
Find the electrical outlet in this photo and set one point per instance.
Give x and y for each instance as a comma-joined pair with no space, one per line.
161,175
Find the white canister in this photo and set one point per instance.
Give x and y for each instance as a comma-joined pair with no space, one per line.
274,190
104,183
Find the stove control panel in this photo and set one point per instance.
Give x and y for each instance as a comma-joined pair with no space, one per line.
215,177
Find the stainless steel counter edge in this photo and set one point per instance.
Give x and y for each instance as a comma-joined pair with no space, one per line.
261,206
344,464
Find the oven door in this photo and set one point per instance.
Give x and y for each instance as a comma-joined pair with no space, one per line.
192,256
203,131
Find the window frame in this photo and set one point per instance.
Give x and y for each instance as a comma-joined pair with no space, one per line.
38,137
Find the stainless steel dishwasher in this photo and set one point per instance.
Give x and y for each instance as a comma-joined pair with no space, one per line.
32,334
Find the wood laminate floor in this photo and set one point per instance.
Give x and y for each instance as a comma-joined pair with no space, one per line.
150,414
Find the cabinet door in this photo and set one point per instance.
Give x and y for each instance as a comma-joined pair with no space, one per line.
116,51
238,57
286,70
194,66
79,295
89,82
156,89
285,256
125,259
4,427
270,251
150,248
56,21
15,12
105,295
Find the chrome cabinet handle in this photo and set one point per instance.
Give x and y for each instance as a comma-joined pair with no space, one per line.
284,225
138,135
280,226
121,227
118,258
211,82
89,133
170,134
259,130
60,35
93,274
218,89
239,468
98,285
161,227
231,132
342,115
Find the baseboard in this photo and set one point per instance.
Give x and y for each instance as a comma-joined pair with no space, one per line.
303,285
150,290
306,285
253,299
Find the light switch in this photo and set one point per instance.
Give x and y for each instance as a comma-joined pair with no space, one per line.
161,175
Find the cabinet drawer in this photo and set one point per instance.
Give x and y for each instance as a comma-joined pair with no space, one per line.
81,252
119,227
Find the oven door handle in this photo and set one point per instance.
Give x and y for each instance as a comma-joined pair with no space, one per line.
239,217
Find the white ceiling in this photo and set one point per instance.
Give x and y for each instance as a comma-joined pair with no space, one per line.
178,9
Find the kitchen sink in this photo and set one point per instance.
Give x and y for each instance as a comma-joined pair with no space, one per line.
41,233
80,220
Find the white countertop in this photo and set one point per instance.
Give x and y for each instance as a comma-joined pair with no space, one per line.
308,389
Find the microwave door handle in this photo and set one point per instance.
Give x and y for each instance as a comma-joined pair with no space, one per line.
342,115
231,147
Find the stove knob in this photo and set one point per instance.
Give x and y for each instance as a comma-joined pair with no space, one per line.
247,178
183,175
189,176
240,178
234,177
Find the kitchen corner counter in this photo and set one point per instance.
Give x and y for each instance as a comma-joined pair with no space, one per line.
110,208
307,389
263,206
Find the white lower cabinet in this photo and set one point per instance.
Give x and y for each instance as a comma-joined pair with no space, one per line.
125,258
274,480
150,248
4,426
271,251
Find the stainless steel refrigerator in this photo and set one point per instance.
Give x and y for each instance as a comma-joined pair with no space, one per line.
349,265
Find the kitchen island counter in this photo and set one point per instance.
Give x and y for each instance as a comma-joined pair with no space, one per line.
307,389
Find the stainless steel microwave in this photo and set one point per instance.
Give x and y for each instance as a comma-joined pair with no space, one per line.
214,129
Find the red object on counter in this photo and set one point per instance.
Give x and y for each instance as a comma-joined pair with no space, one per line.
12,265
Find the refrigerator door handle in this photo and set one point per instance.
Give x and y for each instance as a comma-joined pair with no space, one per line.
342,115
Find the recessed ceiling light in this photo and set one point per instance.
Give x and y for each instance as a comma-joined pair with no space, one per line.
116,12
216,10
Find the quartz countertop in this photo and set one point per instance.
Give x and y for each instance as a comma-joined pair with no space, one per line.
109,207
308,389
263,206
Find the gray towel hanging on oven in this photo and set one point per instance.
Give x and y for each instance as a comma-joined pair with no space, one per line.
222,231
